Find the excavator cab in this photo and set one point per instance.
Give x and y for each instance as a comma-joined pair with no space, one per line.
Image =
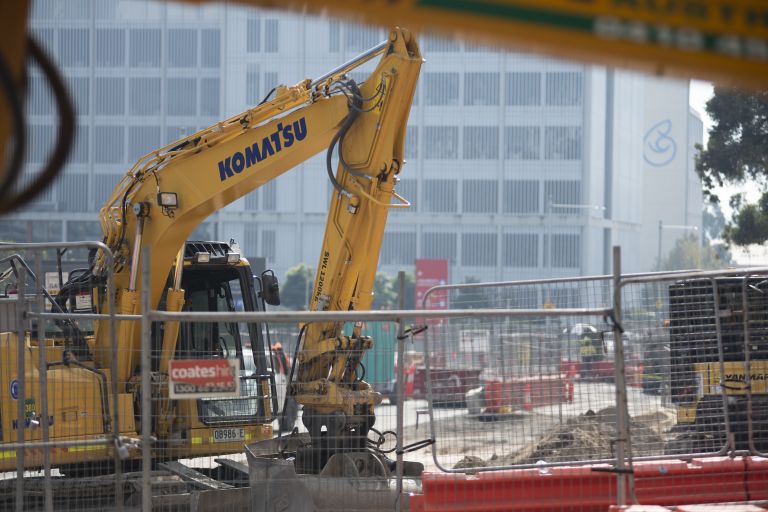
216,279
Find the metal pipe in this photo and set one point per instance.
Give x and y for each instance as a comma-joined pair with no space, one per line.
624,481
58,444
352,63
43,372
729,438
400,389
146,386
20,379
179,268
136,251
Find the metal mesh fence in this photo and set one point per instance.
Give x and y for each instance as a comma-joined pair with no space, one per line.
515,385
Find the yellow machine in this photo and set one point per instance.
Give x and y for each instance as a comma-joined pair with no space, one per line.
159,203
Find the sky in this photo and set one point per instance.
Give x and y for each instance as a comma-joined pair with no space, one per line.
700,92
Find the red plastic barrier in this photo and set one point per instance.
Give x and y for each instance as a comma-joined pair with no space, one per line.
757,478
674,482
563,488
664,483
638,508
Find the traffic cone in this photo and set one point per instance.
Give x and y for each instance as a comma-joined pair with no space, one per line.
527,398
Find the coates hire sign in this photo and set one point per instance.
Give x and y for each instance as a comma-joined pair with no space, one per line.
204,378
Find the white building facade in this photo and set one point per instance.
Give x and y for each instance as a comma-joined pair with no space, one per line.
518,167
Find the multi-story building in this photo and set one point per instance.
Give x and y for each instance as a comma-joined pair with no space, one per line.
517,166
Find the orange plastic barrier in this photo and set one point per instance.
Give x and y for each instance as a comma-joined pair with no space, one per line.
665,483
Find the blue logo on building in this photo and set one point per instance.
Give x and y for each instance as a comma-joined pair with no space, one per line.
659,148
15,389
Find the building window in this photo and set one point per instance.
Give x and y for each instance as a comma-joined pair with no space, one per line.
74,47
334,36
269,196
440,196
478,249
271,36
398,249
174,133
142,140
563,192
522,142
79,154
523,89
412,142
441,88
103,185
520,250
144,47
110,48
360,38
479,196
566,251
562,142
253,35
144,96
39,142
565,88
252,86
210,49
40,98
441,142
252,201
72,192
181,96
78,88
409,189
270,82
108,144
79,230
441,44
109,96
521,197
269,244
182,48
439,246
209,97
481,89
481,142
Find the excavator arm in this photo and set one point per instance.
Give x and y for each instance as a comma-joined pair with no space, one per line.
170,191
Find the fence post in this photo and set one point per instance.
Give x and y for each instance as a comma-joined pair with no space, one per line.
625,482
400,387
21,289
43,368
146,385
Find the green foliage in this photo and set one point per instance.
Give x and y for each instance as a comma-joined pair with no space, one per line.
385,294
714,221
296,290
688,254
735,154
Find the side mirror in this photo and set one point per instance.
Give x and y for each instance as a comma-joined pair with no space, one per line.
270,290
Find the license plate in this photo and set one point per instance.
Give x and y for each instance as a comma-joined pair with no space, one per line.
228,435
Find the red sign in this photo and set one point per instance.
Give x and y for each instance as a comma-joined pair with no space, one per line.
203,378
431,273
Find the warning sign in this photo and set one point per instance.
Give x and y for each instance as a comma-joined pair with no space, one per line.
203,378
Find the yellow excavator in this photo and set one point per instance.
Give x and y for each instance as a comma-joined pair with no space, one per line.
160,201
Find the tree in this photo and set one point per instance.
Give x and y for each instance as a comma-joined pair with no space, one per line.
385,295
735,154
295,291
688,253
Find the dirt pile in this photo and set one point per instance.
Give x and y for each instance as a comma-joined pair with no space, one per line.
589,436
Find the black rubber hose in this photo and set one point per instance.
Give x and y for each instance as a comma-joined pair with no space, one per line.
64,137
16,161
